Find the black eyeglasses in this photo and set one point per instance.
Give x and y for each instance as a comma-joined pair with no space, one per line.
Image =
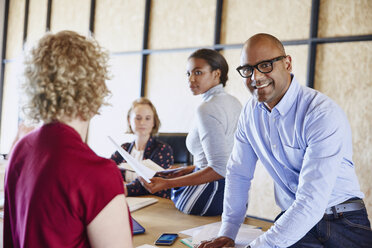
266,66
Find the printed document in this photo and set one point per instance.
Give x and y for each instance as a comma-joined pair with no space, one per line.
246,234
139,168
135,203
147,162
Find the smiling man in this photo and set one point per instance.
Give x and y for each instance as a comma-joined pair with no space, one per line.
303,139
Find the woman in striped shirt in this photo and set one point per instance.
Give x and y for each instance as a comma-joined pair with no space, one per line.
199,189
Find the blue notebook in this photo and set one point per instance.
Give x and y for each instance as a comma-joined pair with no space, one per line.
137,228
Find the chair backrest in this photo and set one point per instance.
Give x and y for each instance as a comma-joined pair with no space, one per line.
178,143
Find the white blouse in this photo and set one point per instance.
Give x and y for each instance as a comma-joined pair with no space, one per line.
137,155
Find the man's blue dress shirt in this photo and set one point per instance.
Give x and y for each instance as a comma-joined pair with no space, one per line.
305,144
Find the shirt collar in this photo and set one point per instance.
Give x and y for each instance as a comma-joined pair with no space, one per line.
289,98
287,101
216,90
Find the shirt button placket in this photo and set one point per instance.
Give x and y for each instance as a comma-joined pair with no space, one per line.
274,135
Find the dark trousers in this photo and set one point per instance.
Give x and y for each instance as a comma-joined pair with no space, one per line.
346,229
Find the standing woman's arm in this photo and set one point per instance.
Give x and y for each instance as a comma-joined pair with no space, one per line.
212,138
212,124
202,176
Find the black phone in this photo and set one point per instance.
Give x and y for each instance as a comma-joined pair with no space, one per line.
166,239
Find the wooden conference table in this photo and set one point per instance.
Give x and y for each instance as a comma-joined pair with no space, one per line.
158,218
163,217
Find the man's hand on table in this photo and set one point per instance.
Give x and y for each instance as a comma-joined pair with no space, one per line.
218,242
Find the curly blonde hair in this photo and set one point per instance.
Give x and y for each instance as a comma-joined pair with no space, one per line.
65,77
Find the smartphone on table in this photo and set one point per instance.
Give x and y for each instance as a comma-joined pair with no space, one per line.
166,239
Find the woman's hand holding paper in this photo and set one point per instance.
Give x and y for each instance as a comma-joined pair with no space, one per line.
157,184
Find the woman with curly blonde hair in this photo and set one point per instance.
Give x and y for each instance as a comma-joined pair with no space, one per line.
65,77
58,192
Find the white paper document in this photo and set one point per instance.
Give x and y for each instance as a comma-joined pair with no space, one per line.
136,203
147,162
246,234
146,246
2,200
139,168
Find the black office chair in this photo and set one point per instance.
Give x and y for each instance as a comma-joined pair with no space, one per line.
178,143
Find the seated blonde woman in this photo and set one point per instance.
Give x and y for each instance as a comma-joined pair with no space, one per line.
58,192
143,122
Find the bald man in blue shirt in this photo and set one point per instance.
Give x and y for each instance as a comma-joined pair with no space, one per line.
303,139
